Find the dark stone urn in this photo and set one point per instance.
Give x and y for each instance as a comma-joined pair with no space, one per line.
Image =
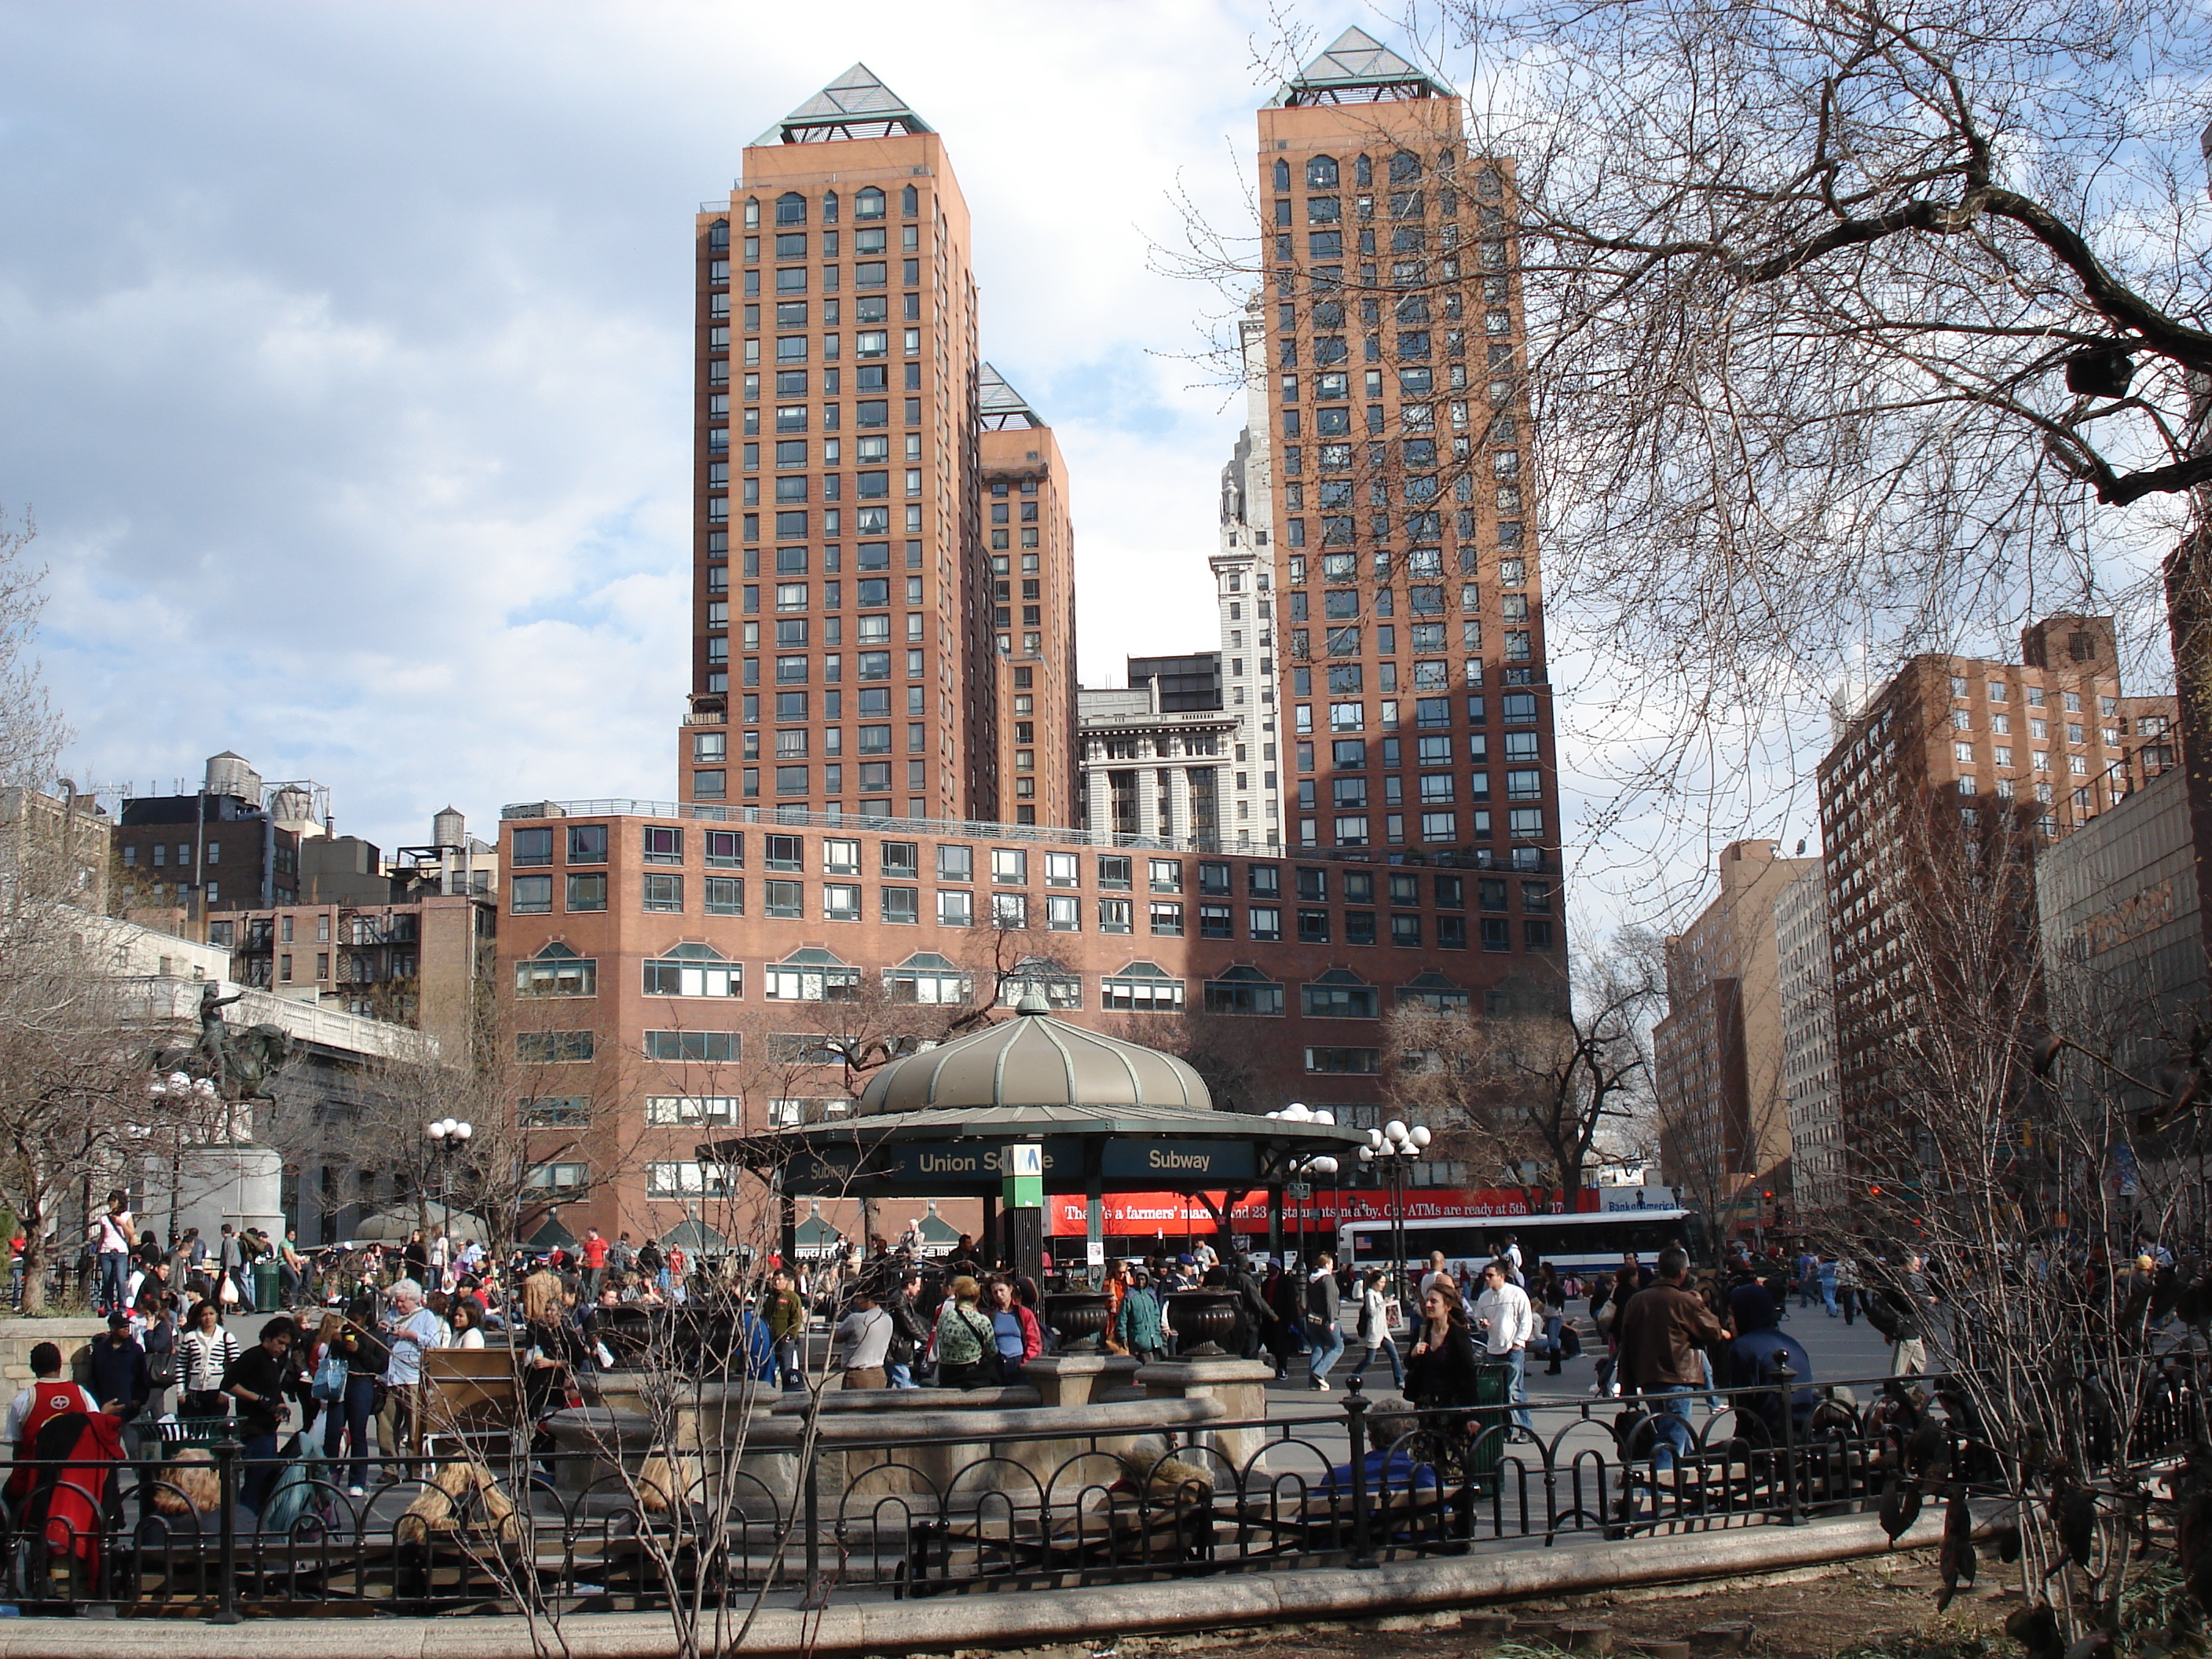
1079,1318
1208,1324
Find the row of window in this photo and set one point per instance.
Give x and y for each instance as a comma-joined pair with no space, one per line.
1005,867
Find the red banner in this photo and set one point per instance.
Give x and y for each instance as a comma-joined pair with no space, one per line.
1152,1215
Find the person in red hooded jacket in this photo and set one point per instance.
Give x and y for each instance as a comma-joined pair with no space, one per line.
49,1395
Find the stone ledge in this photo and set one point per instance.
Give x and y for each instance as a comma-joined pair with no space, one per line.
1032,1619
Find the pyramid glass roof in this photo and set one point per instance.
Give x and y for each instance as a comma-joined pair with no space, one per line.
999,407
1358,69
856,105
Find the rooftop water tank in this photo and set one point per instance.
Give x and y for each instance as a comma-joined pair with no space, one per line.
228,774
450,828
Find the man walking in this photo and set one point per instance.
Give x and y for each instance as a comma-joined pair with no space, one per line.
1505,1322
595,1264
1324,1305
1663,1333
1909,1304
786,1317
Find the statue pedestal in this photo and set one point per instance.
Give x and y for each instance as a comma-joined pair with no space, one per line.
237,1181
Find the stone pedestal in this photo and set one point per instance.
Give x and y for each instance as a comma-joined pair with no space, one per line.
1238,1386
1076,1379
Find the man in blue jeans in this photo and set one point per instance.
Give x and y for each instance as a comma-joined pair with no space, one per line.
1663,1333
1504,1320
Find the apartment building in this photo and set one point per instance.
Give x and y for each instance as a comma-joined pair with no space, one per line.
1718,1052
1404,555
672,966
1032,564
220,849
839,448
1950,750
1808,1040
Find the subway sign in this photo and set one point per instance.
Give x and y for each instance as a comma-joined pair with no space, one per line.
1177,1160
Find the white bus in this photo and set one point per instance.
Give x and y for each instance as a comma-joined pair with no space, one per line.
1592,1242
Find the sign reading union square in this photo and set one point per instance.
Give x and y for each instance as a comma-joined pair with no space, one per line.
1196,1160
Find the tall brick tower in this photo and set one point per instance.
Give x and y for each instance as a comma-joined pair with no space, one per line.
1412,675
843,657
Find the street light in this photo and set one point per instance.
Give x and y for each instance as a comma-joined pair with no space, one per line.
447,1135
1389,1151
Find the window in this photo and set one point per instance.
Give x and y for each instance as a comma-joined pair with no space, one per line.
725,850
1313,927
956,909
1114,916
841,901
1165,875
557,1111
927,978
1356,1061
1061,986
1263,880
664,892
1265,922
1115,873
1434,991
663,845
1010,910
902,906
1142,988
1060,870
1497,933
955,864
557,971
587,843
588,892
694,970
1010,866
559,1178
552,1048
1243,990
664,1110
527,846
812,976
1167,918
530,896
1339,994
685,1181
1216,922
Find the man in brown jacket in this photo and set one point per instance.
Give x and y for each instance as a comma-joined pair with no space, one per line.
1662,1331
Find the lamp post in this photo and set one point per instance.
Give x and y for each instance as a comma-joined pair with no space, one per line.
1390,1152
1298,1112
447,1136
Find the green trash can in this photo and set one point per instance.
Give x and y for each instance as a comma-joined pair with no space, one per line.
266,1292
1489,1423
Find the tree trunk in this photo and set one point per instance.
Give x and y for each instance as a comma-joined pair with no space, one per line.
35,1261
2189,618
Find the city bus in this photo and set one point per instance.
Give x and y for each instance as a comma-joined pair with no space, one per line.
1584,1243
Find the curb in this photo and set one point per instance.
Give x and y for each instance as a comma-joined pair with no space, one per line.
1008,1620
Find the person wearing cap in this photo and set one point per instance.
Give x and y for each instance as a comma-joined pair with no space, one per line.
117,1366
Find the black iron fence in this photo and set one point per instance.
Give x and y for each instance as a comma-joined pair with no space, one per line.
888,1514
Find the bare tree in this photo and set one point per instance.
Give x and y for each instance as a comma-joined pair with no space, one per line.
1540,1080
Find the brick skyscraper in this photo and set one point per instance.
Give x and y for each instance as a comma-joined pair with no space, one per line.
1405,558
839,476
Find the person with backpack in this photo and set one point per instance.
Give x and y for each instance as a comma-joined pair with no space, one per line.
967,1344
1138,1326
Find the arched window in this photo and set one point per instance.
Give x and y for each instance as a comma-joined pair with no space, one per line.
910,203
1405,168
1243,990
1362,171
791,208
718,234
1282,175
829,207
868,204
752,213
694,970
1321,172
557,971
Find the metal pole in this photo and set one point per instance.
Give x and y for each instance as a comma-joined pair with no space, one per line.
226,1459
1355,1425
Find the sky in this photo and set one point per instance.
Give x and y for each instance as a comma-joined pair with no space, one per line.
345,357
345,354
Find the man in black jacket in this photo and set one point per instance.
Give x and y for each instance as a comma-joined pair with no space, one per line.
909,1335
118,1366
1322,1308
1237,1277
260,1379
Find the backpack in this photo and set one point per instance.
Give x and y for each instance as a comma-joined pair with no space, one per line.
330,1376
1881,1314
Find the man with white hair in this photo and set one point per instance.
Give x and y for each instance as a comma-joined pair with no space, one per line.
411,1329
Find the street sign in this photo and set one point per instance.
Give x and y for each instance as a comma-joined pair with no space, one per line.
1298,1191
1094,1252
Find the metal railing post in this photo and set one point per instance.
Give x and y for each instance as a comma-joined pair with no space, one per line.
226,1462
1792,1509
814,1524
1355,1429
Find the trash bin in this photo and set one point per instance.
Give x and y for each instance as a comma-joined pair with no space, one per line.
1489,1423
266,1293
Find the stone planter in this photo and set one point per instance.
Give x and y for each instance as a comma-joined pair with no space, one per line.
1080,1317
1207,1324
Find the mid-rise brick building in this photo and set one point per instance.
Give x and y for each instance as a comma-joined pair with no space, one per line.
1950,750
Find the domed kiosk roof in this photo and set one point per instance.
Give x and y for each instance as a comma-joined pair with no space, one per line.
1034,1061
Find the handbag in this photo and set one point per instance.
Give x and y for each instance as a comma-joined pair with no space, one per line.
330,1377
990,1364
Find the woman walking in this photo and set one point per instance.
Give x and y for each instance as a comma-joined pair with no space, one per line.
1374,1330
